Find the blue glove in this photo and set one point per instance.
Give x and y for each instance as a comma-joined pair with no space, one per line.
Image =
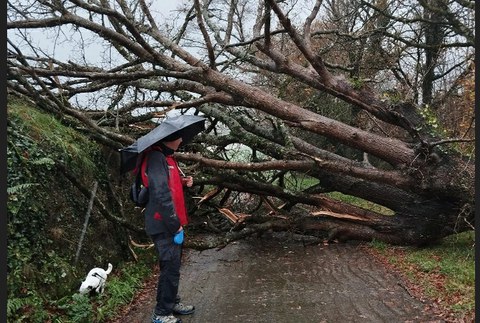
178,238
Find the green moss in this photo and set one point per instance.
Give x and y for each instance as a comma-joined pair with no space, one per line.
64,143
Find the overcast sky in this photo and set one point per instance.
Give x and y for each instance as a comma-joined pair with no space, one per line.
55,44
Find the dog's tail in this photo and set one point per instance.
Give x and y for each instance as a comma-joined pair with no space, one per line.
109,270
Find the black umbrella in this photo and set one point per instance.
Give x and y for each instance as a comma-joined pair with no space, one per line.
187,126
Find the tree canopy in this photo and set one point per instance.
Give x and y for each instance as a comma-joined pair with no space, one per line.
309,103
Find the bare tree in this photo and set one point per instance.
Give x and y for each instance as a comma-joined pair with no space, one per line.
287,88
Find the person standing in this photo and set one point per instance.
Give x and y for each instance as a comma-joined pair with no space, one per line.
165,217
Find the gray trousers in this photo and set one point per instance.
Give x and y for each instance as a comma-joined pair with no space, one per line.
170,255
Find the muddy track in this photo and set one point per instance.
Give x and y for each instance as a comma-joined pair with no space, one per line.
278,280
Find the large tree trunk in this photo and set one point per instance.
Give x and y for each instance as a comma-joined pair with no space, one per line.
420,214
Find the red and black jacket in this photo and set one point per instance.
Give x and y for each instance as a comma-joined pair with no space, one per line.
165,210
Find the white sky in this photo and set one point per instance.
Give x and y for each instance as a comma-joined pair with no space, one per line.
52,42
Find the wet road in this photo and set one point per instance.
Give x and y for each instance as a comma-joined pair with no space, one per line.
270,280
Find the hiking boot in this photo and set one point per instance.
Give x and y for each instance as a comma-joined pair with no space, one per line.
182,309
165,319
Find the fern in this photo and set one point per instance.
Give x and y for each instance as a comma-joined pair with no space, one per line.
20,187
43,161
78,308
14,304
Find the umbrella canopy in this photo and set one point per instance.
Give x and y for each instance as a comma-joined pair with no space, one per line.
187,126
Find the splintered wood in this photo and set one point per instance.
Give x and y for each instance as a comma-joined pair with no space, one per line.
211,194
338,215
235,218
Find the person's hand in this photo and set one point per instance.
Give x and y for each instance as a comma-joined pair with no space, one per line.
187,181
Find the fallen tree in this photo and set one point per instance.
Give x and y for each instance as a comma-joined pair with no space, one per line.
338,101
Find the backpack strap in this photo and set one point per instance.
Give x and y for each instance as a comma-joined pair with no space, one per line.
143,171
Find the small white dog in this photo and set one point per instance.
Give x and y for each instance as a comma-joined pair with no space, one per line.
95,280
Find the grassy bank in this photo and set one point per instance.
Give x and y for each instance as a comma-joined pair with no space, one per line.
443,275
122,287
50,249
